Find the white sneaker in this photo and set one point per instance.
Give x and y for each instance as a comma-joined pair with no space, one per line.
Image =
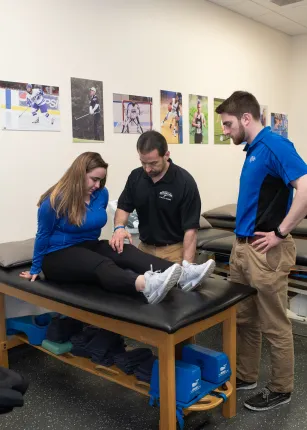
194,274
157,284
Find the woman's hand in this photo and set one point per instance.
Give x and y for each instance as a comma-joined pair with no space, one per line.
27,275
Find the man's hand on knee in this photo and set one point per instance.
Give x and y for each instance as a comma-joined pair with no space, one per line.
117,240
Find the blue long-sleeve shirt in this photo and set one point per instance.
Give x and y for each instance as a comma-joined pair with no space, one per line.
57,233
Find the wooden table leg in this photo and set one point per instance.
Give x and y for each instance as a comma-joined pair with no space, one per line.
179,346
229,347
4,359
167,383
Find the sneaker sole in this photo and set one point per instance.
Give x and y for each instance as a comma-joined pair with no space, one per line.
205,274
248,387
253,408
169,283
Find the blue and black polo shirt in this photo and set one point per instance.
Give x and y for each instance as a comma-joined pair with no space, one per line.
266,192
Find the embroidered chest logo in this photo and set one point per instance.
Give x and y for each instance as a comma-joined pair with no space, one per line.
253,158
166,195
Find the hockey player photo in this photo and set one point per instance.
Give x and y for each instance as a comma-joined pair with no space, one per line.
132,114
28,106
170,116
87,110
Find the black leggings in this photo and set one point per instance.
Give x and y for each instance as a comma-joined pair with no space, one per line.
95,261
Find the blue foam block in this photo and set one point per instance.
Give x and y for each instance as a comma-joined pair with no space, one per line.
35,327
214,365
188,381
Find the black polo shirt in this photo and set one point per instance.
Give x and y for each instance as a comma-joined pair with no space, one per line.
166,209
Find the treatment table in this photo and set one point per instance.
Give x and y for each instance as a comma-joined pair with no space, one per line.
224,218
166,326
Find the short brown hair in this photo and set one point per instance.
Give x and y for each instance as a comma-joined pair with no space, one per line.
238,103
151,140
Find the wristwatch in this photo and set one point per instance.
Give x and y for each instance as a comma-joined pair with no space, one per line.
279,234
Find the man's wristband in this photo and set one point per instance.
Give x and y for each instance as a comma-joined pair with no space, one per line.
119,226
278,233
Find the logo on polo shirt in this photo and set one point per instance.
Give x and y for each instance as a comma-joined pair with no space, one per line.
166,195
253,158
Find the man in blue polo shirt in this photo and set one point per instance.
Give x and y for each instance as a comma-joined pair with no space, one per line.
264,251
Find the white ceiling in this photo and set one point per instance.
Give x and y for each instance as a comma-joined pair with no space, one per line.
290,19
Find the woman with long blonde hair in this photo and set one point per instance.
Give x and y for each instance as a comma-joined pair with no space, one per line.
67,248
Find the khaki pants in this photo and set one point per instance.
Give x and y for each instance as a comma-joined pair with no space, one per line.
265,313
173,253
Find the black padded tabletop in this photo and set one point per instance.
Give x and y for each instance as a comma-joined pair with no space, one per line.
222,223
223,245
301,252
178,310
207,235
300,229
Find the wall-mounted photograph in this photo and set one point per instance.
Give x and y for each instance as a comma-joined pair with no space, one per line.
198,119
279,124
264,115
171,116
132,114
29,106
219,137
87,110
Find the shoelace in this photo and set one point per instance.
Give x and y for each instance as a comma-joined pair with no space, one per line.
265,393
152,272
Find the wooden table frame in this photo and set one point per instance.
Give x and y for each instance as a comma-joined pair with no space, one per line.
169,346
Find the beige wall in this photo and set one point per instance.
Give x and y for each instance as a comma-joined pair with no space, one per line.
298,90
136,47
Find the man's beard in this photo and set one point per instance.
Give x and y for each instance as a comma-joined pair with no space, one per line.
157,172
240,138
